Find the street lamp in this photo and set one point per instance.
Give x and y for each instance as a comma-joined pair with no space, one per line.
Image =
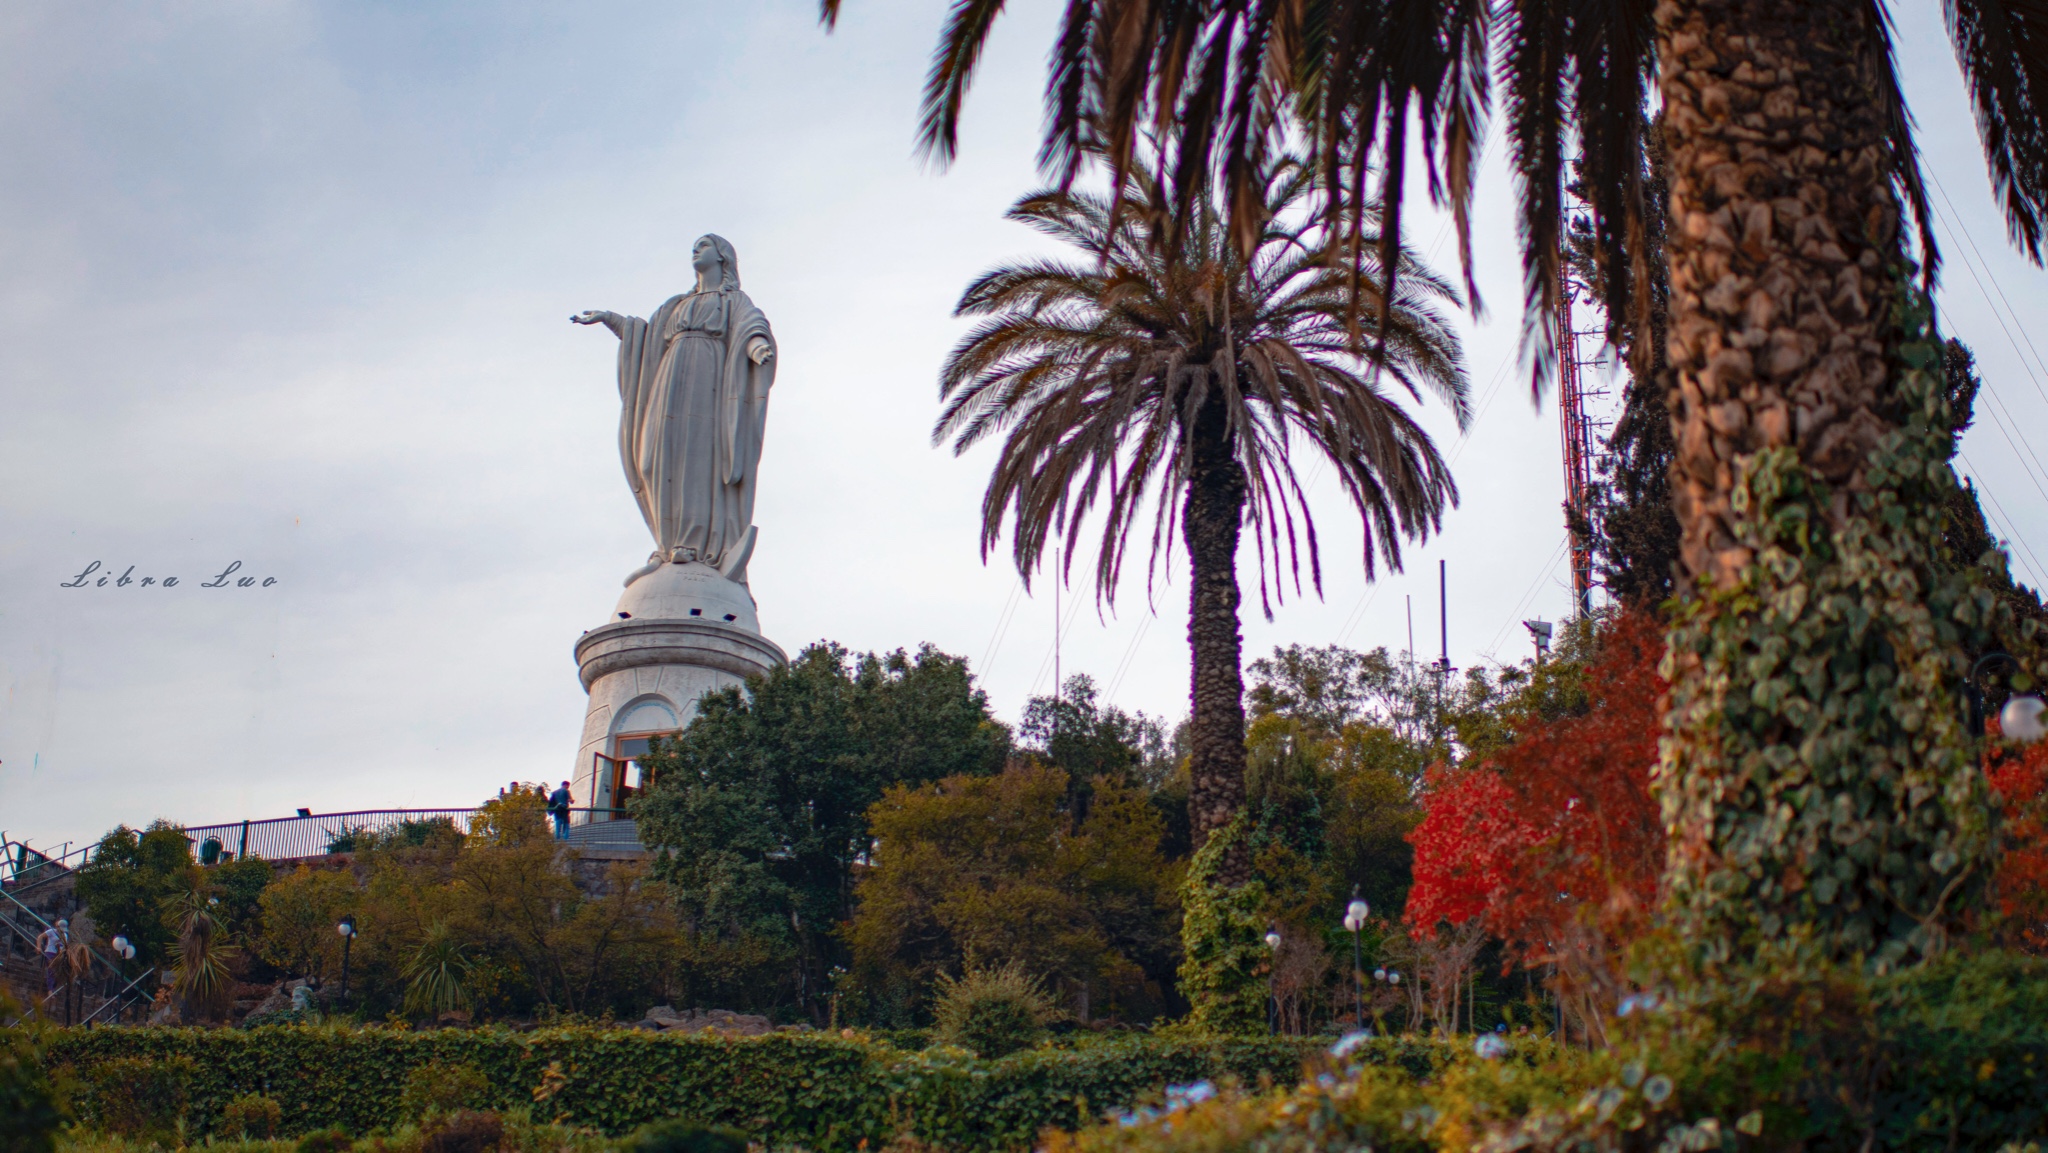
1272,980
347,929
126,951
1389,976
1354,920
2021,718
2021,721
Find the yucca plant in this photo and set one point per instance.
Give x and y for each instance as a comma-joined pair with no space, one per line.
201,979
1177,392
437,975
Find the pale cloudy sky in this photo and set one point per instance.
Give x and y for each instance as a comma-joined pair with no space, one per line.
287,284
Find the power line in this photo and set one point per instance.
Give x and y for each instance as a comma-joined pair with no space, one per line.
1002,629
1963,229
1999,408
2034,564
1130,653
2001,415
1357,616
1535,586
1065,622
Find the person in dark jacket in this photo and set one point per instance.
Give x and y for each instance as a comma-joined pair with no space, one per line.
558,807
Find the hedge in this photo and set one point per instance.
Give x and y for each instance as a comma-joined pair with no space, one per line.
823,1092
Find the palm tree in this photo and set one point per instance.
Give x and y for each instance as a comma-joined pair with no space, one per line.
1817,773
1136,385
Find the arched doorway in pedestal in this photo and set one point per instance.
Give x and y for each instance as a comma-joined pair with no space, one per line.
618,768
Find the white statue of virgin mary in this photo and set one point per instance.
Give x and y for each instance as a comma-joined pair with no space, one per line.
693,382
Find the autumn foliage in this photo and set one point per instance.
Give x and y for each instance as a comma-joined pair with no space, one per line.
1555,841
2020,881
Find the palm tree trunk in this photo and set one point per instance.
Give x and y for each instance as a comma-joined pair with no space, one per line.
1817,774
1210,521
1784,236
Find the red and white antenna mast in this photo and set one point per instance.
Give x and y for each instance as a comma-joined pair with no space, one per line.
1576,429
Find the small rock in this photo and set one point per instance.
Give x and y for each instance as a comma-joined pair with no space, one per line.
277,1002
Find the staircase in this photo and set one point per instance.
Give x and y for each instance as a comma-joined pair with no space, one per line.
25,912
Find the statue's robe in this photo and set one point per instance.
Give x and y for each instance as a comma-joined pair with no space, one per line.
694,405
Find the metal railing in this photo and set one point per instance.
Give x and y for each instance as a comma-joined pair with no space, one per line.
31,866
319,834
322,834
315,835
120,1001
10,908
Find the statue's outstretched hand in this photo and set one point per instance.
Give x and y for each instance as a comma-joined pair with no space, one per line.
589,316
760,351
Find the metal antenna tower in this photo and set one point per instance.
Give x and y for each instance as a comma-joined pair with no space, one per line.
1581,446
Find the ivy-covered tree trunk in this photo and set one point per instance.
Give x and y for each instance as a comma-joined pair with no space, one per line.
1210,521
1816,771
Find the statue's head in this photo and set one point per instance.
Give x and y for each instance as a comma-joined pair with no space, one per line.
715,261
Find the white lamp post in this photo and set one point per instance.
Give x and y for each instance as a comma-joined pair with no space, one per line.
1354,920
347,929
1272,980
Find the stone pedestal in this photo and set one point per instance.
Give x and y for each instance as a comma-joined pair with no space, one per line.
679,632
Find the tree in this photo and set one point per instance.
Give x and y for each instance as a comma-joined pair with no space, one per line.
130,881
758,811
1816,666
1086,739
1554,842
1176,389
2019,777
977,872
299,913
239,884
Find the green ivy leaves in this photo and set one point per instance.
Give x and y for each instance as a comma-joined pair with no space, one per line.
1816,772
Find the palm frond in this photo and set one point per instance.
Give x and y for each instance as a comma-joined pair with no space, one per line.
2002,46
1093,377
953,62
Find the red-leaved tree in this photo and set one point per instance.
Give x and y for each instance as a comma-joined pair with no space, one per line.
2019,882
1555,841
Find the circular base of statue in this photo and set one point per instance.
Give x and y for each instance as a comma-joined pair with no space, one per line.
677,633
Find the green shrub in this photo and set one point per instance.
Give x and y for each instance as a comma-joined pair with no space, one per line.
252,1115
464,1132
143,1098
827,1093
1950,1055
331,1140
992,1012
31,1109
435,1089
684,1137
